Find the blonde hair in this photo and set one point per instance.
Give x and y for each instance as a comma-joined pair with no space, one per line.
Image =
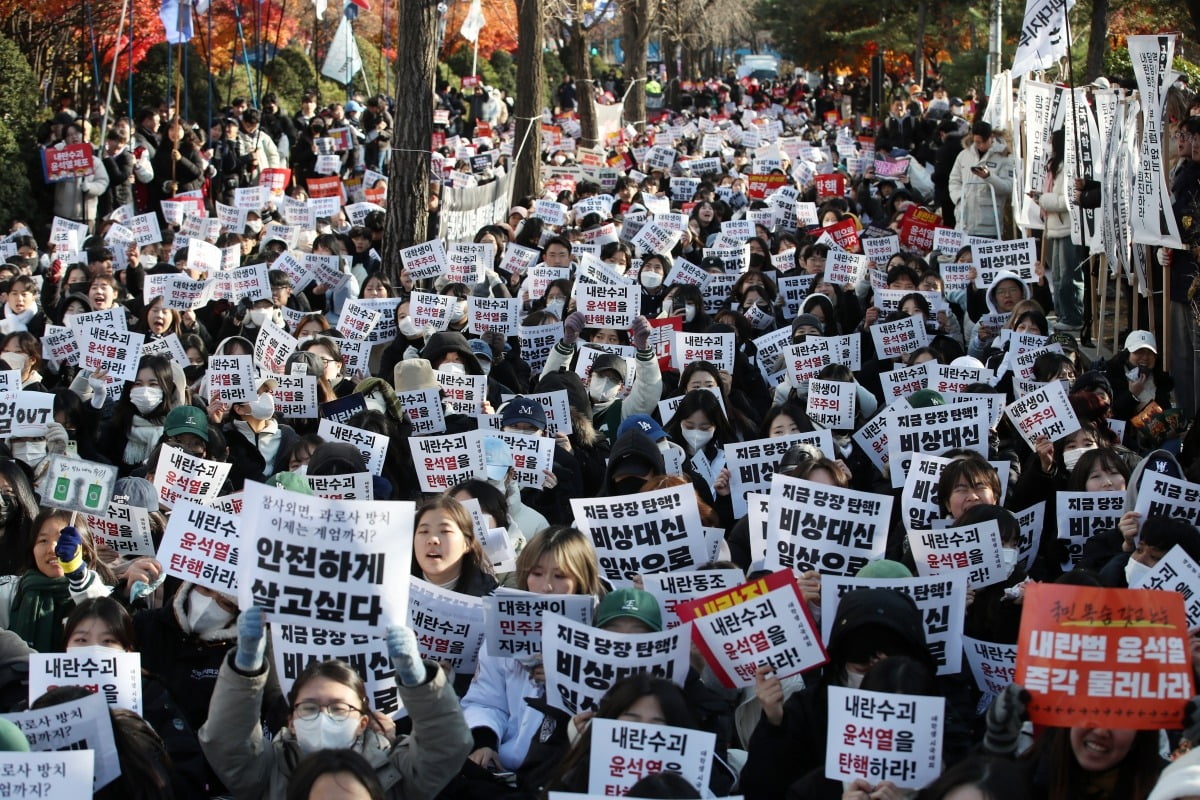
572,552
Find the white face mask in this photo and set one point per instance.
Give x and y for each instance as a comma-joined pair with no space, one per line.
460,309
696,438
1008,557
651,280
254,225
689,312
407,328
854,679
556,306
16,360
1134,572
375,402
145,398
205,614
259,316
1071,457
31,453
325,733
453,368
263,406
601,390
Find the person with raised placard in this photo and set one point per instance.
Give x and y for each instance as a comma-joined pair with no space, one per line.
333,365
254,437
20,311
139,414
1141,389
22,352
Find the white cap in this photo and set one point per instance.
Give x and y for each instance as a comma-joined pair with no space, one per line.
967,361
1141,340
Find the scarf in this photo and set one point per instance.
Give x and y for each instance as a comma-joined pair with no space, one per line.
20,322
39,608
142,435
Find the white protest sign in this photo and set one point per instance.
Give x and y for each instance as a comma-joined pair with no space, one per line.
77,484
295,396
425,260
431,311
643,533
880,736
1176,572
33,412
899,338
124,529
373,446
832,404
614,307
114,350
533,456
231,379
272,347
449,626
1161,495
499,314
588,661
424,410
463,394
59,344
933,430
145,229
80,725
200,546
113,674
942,601
296,645
993,665
357,321
556,407
514,619
623,753
1045,412
1010,255
832,530
879,249
842,268
973,550
716,348
903,381
752,463
351,486
182,476
445,461
327,561
64,775
671,589
1082,514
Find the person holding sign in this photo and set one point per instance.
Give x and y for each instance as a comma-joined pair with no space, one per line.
23,353
56,576
967,481
255,439
1006,290
139,415
446,551
701,429
330,711
18,507
103,622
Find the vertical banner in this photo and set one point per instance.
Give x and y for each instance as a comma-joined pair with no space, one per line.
1153,221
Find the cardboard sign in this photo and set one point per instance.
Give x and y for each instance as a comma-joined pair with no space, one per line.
117,351
1045,412
295,646
762,622
449,626
899,338
832,404
623,753
588,661
514,619
83,725
832,530
78,485
716,348
614,307
1081,514
50,776
879,736
182,476
643,533
373,446
751,464
326,560
971,550
493,314
113,674
446,461
942,602
425,260
1109,658
1163,496
1011,255
200,545
124,529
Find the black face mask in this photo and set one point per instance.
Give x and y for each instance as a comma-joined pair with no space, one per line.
630,485
193,372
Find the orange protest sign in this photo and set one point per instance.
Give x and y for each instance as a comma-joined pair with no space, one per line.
758,187
1109,658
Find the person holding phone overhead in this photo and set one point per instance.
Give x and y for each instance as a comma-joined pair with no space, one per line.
981,182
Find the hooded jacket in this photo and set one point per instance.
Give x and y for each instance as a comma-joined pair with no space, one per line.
978,202
632,446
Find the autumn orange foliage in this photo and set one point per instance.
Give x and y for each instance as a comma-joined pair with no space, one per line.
499,30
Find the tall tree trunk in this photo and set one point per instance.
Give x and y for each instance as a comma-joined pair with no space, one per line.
585,95
635,36
919,45
407,220
527,144
1098,41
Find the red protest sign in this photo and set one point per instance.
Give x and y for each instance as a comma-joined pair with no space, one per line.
325,187
759,187
471,81
1108,658
663,337
276,179
832,185
66,162
833,117
845,233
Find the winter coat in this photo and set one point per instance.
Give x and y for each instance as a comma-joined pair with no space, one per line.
415,768
77,198
496,711
974,207
1054,204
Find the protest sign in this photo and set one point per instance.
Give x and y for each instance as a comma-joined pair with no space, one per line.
613,307
445,461
200,546
272,347
814,526
643,533
558,410
832,404
672,588
182,476
881,248
325,561
1161,495
67,775
1175,572
78,484
122,528
424,410
919,504
843,268
350,486
873,436
59,344
973,550
584,662
499,314
113,674
903,381
231,379
295,396
934,430
716,348
899,338
1108,658
942,602
32,414
296,645
373,446
1081,514
623,753
357,321
884,736
1010,255
1044,412
116,351
761,622
993,665
462,394
532,456
82,724
449,626
63,162
752,463
514,619
425,260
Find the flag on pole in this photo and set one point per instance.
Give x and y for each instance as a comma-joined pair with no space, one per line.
321,6
342,62
1043,35
473,22
177,20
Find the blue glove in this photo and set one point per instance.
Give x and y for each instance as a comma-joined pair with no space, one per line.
252,641
140,589
406,658
70,550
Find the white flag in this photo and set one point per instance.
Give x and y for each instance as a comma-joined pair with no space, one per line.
342,62
1043,35
473,22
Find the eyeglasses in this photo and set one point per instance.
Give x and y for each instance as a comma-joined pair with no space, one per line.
328,360
1008,291
338,712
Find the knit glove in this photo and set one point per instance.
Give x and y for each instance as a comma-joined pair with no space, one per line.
70,551
573,326
641,332
406,658
252,641
1004,719
99,388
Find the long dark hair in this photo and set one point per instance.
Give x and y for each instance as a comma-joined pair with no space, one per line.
25,506
108,611
995,778
1066,779
474,561
702,400
123,414
1058,147
330,762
